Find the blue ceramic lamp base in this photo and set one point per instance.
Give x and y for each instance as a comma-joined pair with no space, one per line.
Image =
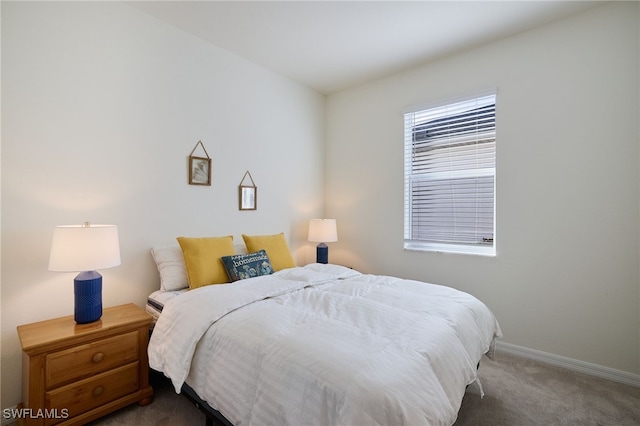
87,288
322,253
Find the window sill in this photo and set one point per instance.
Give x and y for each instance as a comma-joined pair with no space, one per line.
489,251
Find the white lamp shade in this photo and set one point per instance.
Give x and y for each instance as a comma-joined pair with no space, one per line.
84,248
323,231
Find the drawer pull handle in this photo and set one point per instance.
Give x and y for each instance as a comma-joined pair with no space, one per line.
98,391
98,357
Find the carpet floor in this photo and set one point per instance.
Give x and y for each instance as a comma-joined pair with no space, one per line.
517,392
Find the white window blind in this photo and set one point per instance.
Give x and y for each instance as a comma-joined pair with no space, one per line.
450,177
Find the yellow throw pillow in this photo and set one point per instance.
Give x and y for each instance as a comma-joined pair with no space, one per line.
202,258
275,246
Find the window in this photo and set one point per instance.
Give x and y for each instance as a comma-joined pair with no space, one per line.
449,177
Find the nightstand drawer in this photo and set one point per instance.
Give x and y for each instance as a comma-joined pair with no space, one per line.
86,360
86,394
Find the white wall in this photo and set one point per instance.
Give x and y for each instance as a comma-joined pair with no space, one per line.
566,277
101,106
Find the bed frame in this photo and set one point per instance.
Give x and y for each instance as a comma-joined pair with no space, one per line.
213,416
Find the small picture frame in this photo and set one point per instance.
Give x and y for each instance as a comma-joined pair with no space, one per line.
248,197
199,171
247,194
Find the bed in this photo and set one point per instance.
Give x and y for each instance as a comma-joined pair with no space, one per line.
322,344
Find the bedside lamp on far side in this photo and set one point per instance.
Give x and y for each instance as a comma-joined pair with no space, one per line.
85,248
322,231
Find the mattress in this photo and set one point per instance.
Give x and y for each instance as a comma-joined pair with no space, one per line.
156,301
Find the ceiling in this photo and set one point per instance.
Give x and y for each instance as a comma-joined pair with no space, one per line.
332,45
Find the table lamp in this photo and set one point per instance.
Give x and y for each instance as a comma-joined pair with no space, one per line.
322,231
85,248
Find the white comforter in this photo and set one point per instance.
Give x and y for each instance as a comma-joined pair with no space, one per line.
325,345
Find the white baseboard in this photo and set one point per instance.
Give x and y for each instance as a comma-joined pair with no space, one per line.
571,364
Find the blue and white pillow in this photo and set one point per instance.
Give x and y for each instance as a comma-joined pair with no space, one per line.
242,266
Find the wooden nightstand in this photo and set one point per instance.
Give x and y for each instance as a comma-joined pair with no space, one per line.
79,372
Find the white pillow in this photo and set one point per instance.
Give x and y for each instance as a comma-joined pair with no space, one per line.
170,262
240,248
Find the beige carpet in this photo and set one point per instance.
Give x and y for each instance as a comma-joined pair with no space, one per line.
521,392
518,392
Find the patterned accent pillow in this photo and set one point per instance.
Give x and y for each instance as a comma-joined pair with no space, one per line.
242,266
